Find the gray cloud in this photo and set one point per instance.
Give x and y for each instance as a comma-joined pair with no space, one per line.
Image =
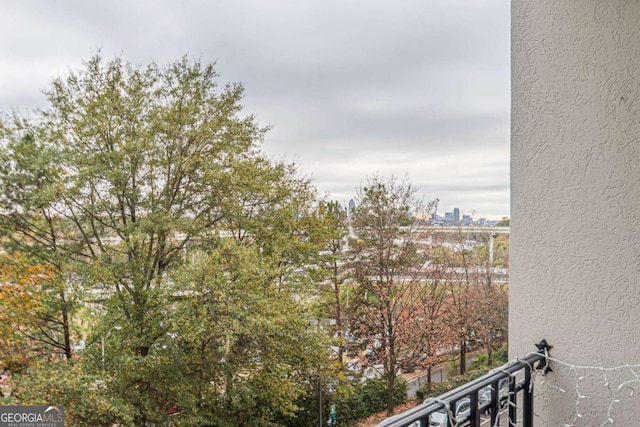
352,87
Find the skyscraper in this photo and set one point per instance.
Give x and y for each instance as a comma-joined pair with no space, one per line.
350,207
456,215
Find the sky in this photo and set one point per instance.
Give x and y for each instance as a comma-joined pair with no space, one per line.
352,88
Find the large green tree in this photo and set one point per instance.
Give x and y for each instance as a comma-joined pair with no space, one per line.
144,188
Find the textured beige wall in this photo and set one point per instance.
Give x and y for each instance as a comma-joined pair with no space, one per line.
575,194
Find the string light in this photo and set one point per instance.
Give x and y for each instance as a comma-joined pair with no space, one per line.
580,373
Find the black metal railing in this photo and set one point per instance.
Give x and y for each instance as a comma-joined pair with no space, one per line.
479,401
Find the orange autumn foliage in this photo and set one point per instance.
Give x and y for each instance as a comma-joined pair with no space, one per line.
20,298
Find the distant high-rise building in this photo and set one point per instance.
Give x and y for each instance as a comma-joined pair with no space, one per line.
350,207
456,215
448,217
466,220
436,219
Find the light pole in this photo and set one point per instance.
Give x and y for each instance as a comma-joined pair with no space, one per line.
102,340
320,399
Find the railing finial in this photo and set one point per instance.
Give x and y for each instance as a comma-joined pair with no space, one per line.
544,348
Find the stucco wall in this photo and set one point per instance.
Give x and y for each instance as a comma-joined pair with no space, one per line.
575,179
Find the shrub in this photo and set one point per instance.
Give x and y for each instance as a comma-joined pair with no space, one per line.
479,361
436,389
353,403
501,355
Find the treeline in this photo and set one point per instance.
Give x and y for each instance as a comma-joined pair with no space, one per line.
159,270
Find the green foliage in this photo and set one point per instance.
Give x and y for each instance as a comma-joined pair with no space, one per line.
87,398
242,345
333,266
354,403
500,357
504,222
479,361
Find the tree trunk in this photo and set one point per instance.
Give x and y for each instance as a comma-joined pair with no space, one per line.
66,328
390,383
463,357
140,420
339,322
320,401
489,351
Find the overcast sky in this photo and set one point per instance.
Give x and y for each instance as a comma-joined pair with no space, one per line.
352,88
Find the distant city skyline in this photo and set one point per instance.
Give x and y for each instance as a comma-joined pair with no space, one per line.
443,213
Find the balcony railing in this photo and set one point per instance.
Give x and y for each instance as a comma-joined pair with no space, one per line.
479,401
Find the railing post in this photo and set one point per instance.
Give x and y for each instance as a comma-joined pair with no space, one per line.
474,414
451,414
527,388
494,409
513,400
527,399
